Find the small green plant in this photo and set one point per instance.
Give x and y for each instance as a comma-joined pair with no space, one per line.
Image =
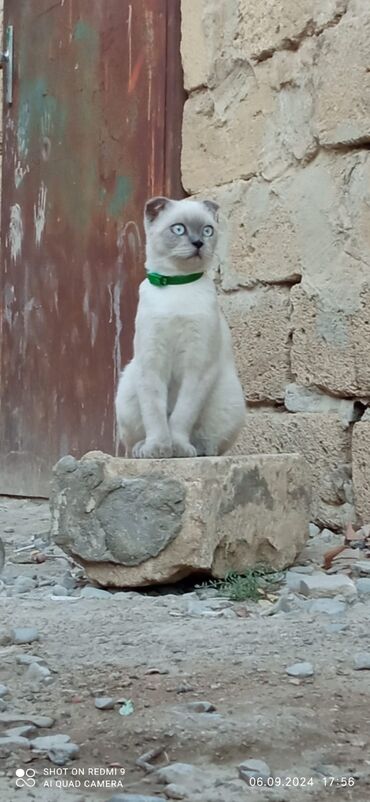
251,584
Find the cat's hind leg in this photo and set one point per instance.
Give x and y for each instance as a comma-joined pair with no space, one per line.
222,417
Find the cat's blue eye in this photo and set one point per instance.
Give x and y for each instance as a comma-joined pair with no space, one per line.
208,231
178,229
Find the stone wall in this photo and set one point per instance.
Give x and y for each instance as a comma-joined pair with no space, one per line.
277,130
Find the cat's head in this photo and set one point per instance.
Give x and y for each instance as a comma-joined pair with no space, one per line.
183,233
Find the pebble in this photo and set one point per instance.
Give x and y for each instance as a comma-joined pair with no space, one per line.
27,659
24,634
313,530
206,608
201,707
175,773
23,584
36,674
46,742
3,690
321,585
66,464
328,535
24,732
21,718
9,530
284,605
328,607
174,791
14,742
60,755
254,769
184,687
3,706
293,580
361,567
60,590
69,582
362,661
301,670
95,593
363,586
104,702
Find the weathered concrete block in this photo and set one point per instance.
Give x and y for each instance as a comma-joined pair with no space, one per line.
194,49
361,469
342,82
331,344
137,522
260,241
323,440
222,138
260,327
276,24
310,399
242,125
208,30
310,223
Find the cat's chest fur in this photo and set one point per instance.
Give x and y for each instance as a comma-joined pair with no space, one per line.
180,323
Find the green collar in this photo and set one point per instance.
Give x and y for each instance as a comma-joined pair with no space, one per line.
163,281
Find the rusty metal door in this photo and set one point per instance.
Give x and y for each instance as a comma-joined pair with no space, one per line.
93,130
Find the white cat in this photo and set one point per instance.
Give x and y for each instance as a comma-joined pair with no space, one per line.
180,396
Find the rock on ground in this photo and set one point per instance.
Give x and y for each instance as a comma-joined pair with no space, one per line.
137,522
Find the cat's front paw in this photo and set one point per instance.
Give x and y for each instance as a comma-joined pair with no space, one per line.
151,449
182,447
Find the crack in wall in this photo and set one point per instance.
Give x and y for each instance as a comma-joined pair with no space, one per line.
293,43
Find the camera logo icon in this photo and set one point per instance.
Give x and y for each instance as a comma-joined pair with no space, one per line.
25,778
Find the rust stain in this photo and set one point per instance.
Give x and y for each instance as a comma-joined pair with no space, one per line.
135,74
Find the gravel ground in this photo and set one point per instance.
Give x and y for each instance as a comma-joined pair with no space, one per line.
198,682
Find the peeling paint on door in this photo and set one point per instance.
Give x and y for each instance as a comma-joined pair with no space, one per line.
15,232
40,213
121,195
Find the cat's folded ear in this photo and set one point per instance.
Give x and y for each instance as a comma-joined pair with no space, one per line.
212,207
154,207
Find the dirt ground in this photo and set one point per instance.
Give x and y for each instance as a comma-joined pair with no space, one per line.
164,651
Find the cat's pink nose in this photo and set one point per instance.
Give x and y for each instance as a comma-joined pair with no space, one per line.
198,244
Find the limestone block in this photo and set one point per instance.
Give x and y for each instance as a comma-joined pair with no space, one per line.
330,344
310,399
312,223
137,522
255,119
194,47
324,209
223,130
342,82
260,326
361,470
323,440
208,33
259,242
270,25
